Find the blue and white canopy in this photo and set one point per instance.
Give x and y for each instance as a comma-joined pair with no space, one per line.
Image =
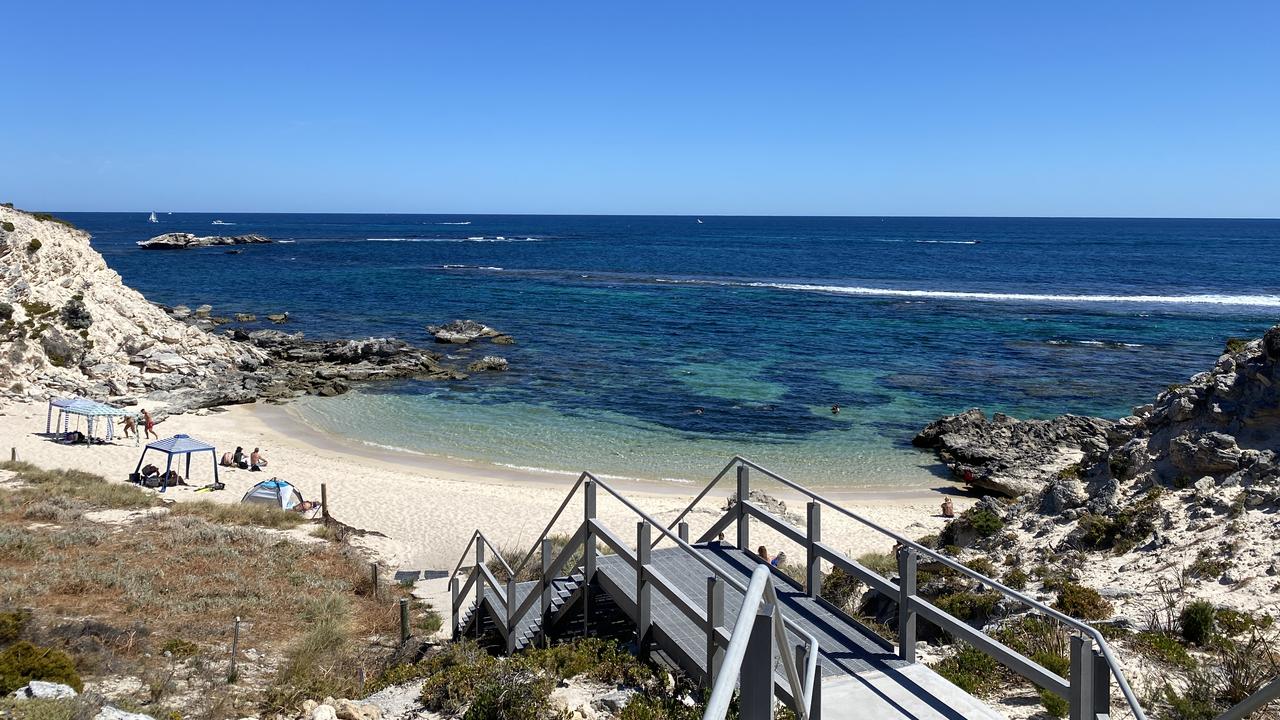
82,407
183,445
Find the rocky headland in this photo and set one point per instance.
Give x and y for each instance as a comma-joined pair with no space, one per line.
69,325
184,241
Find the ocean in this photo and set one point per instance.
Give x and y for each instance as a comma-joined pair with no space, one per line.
658,347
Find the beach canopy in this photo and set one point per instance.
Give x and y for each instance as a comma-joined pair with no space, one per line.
274,492
181,445
83,407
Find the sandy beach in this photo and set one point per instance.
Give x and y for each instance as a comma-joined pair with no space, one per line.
428,507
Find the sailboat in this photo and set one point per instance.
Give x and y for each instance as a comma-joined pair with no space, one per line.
153,218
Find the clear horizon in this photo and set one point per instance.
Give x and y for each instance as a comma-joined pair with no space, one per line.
1148,110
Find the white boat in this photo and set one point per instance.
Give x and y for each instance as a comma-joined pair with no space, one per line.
153,218
219,222
699,221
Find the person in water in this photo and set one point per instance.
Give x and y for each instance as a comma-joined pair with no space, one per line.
149,425
835,409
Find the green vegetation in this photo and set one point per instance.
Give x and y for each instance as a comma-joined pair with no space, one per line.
533,569
1196,622
969,606
74,314
1163,648
1016,579
1209,564
1124,530
1082,602
33,245
976,520
11,625
46,217
6,312
71,490
22,662
36,308
883,564
1233,623
971,670
839,588
982,566
317,664
8,226
1235,345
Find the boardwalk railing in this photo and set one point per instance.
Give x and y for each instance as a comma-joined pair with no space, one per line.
801,682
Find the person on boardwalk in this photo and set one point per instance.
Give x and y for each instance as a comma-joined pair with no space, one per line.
149,424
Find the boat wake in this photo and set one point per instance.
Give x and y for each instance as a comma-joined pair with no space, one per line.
477,238
1201,299
467,222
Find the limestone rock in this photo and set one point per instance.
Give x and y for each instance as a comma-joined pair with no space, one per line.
488,362
183,241
461,332
41,690
110,712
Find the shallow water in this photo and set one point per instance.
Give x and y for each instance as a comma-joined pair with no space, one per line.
659,347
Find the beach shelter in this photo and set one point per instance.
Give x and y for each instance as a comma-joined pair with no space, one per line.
91,410
273,492
181,445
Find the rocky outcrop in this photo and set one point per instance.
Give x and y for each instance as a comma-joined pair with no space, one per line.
69,326
1010,456
1223,424
461,332
488,362
184,241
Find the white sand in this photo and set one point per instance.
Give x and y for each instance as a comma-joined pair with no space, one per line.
429,507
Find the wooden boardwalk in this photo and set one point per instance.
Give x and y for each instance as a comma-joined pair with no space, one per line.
862,676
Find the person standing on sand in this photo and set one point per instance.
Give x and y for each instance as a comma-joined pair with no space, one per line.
149,424
129,425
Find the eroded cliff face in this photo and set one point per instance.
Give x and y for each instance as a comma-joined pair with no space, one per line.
69,325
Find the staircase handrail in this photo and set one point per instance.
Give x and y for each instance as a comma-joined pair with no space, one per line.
1112,664
466,552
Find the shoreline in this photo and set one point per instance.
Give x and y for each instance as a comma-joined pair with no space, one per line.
428,508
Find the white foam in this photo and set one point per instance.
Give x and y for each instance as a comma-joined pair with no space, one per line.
949,242
1206,299
455,223
392,448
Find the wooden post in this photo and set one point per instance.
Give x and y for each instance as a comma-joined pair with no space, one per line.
715,621
588,552
644,604
235,650
324,501
906,617
755,696
545,586
404,621
13,454
453,605
813,563
744,520
1081,699
373,571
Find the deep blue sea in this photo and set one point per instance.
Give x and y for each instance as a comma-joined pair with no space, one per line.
658,347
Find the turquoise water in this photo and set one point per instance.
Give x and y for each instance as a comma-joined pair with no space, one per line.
659,347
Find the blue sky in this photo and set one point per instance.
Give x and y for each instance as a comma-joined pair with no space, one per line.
844,108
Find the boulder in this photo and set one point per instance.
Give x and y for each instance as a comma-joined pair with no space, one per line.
461,332
350,710
41,690
245,317
110,712
488,362
1212,453
278,318
203,311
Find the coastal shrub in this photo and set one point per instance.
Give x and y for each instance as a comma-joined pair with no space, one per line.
1235,345
455,676
969,606
1163,648
22,662
930,541
1196,622
317,664
1082,602
1208,564
1035,635
839,588
1232,623
8,226
884,564
533,568
1016,579
11,625
982,566
33,245
36,308
971,670
977,522
75,316
1122,531
46,217
60,485
6,312
600,659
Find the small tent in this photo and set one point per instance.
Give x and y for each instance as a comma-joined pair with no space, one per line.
273,492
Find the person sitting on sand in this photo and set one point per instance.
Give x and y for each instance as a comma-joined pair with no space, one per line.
149,424
948,510
226,459
779,560
256,461
238,460
305,506
763,552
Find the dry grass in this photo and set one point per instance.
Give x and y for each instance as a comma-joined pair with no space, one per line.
117,598
240,514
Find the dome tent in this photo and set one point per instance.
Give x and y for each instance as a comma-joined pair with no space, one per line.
273,492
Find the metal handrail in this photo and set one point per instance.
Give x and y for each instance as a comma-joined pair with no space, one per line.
1113,665
466,551
813,641
761,583
547,530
